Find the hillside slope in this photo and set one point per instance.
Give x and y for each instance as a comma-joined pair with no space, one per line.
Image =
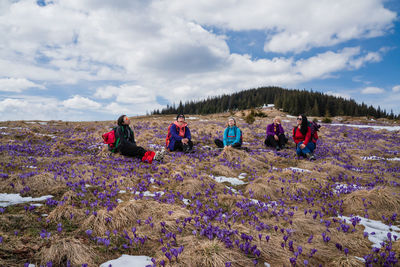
208,208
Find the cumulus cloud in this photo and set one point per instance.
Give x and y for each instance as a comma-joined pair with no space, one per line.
17,85
168,48
292,26
396,88
372,90
79,102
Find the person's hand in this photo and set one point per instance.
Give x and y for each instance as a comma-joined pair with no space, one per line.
302,146
185,140
276,137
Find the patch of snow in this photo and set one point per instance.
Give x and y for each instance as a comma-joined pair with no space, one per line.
375,127
295,169
119,200
45,215
192,118
242,175
267,264
31,167
149,194
203,120
379,158
379,228
122,191
231,180
127,260
360,259
346,188
37,204
13,199
186,201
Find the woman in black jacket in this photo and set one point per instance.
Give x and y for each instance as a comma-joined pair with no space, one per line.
126,144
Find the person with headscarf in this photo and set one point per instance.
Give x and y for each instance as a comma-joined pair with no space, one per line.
275,134
232,136
304,138
178,136
126,144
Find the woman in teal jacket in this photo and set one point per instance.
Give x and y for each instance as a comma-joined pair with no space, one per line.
232,136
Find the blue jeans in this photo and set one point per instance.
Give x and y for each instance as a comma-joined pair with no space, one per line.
308,149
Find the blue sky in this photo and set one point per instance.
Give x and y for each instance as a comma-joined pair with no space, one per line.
97,59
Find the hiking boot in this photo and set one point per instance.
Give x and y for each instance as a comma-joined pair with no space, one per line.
277,148
186,148
159,156
310,156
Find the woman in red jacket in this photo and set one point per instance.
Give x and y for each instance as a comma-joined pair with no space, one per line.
305,143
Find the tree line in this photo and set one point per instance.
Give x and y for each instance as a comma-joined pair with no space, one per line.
291,101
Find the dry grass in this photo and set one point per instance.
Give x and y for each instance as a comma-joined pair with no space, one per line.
67,249
383,202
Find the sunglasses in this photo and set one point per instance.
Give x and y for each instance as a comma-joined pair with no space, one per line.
299,119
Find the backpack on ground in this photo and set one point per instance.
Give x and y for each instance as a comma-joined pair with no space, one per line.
110,140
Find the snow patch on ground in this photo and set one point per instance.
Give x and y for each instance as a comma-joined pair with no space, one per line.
375,127
231,180
127,260
379,158
14,199
377,230
346,188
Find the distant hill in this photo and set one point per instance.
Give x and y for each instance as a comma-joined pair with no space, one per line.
291,101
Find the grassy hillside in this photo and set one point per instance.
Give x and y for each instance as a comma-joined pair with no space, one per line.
208,208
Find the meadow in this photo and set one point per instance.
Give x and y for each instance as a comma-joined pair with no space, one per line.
66,201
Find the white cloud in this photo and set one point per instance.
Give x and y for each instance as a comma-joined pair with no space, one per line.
133,94
17,85
79,102
291,25
396,88
372,90
166,48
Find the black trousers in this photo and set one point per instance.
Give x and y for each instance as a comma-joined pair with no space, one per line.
270,141
179,146
131,150
220,144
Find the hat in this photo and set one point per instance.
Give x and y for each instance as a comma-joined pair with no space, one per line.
180,115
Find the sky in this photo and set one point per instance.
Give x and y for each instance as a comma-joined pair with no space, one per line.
88,60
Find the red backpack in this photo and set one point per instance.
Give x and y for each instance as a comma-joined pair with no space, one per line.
110,140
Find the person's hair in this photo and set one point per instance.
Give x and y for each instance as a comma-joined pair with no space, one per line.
177,117
120,120
304,124
230,118
278,119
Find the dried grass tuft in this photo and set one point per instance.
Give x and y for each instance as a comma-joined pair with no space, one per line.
210,253
67,249
383,201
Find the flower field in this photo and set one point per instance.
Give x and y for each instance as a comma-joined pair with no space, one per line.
65,201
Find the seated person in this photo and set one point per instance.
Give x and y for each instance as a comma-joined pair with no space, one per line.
232,136
178,137
275,135
304,139
126,143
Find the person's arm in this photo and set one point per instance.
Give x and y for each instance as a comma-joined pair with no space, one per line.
294,137
238,135
225,137
187,133
308,136
270,130
281,130
174,134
